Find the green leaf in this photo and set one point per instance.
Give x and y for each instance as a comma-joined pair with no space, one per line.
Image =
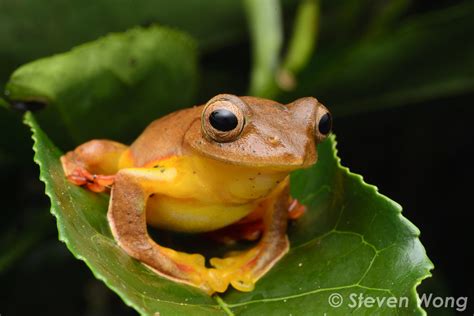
30,30
82,225
145,72
352,239
423,57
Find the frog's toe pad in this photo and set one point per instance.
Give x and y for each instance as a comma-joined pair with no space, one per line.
236,270
296,210
243,283
94,182
220,279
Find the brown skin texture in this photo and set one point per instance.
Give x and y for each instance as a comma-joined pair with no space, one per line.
264,141
272,137
127,218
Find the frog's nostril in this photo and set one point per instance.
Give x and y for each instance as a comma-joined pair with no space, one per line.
274,140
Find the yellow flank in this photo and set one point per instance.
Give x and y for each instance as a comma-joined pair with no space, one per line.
198,194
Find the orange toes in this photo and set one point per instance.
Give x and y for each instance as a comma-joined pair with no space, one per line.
104,180
95,183
77,179
94,187
296,210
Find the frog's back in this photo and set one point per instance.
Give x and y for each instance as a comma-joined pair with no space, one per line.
163,138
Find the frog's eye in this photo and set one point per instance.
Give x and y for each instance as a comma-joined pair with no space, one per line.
324,124
222,120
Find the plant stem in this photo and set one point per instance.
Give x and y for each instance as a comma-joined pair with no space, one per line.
268,76
302,43
223,305
265,22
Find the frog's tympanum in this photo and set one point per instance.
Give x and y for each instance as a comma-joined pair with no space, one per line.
220,167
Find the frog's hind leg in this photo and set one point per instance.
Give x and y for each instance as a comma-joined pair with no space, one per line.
243,269
93,164
127,219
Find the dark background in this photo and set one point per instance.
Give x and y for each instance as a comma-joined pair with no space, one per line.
419,153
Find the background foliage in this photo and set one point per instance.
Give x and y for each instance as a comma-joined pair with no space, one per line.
399,76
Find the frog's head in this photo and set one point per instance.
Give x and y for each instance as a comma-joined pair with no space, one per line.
256,132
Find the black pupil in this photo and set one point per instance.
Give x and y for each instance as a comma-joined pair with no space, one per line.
223,120
325,123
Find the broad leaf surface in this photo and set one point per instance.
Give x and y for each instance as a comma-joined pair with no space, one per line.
351,240
60,25
143,72
30,30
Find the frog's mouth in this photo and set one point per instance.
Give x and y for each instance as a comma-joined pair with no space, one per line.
272,164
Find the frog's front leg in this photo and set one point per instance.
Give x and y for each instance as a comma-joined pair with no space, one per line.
243,269
93,164
127,218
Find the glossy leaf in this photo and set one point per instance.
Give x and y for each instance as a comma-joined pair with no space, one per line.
30,30
144,71
352,239
82,225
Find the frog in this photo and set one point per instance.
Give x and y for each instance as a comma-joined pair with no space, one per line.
207,169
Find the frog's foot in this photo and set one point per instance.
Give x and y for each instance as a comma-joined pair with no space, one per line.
93,164
244,268
187,268
190,269
94,182
295,209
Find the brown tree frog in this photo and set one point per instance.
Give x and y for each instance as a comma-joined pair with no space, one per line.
206,168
